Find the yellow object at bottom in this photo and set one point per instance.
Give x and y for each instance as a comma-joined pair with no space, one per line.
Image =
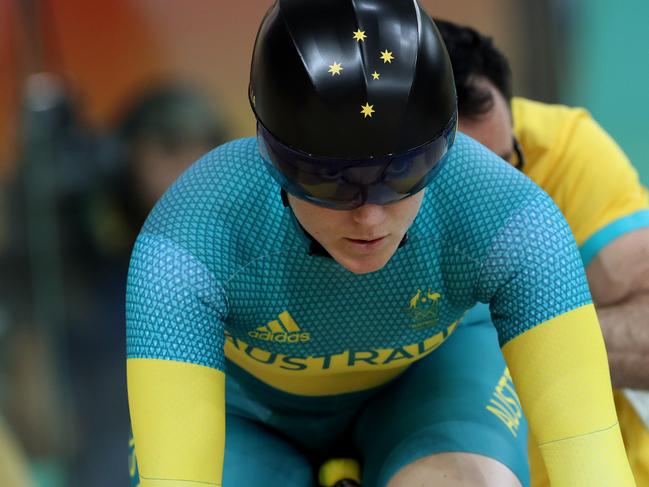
337,469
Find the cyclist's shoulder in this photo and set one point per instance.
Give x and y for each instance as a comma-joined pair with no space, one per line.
476,194
223,197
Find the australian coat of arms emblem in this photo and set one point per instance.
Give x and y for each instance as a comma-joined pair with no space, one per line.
423,308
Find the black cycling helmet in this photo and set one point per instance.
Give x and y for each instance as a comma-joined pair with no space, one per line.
355,99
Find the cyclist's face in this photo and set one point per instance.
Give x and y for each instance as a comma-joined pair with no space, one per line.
494,128
361,240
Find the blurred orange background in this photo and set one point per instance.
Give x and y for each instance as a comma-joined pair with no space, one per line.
111,51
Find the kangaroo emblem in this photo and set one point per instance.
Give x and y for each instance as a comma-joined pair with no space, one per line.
415,299
423,308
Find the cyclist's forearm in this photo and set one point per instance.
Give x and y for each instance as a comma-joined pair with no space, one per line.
178,415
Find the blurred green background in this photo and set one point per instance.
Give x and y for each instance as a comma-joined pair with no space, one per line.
607,70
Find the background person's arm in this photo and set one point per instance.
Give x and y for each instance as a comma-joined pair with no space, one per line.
619,282
599,192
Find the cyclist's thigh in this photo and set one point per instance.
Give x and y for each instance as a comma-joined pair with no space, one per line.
255,456
457,399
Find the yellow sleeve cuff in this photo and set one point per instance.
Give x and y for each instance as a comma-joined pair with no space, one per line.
593,460
561,374
178,419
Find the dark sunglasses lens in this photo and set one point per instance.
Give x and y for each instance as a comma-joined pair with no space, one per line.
346,184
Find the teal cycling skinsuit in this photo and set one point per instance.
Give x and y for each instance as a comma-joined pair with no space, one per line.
222,276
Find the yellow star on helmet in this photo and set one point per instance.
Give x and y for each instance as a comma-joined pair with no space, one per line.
335,69
376,75
367,110
359,35
387,56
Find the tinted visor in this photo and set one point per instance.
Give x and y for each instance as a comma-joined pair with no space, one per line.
345,184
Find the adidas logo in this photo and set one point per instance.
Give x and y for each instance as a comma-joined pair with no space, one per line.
282,330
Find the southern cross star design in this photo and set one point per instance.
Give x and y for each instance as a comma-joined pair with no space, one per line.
359,35
367,110
335,69
386,56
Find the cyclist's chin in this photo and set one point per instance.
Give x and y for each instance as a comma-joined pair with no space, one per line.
363,263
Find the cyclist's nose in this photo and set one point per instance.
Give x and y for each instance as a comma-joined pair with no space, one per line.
369,215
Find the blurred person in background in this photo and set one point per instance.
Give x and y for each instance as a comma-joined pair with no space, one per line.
569,155
41,260
161,132
65,393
